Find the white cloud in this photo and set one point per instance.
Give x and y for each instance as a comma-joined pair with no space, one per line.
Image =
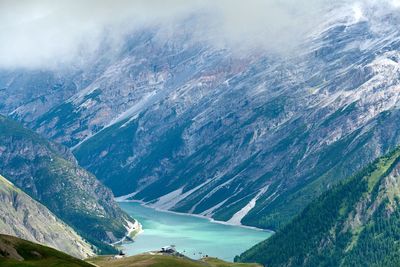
48,33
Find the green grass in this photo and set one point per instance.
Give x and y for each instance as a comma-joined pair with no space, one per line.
147,260
383,165
213,262
33,255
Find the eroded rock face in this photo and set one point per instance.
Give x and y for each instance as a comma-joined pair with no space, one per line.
28,94
25,218
193,128
295,126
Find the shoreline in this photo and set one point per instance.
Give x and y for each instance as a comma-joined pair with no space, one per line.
131,229
144,204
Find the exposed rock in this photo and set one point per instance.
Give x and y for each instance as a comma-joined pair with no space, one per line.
49,173
25,218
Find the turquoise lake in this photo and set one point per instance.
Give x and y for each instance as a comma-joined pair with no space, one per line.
193,236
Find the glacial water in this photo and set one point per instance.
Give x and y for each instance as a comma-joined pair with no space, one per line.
193,236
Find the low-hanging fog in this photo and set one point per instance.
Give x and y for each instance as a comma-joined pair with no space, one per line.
46,33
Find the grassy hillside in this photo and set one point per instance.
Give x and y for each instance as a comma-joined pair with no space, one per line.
15,252
356,223
146,260
50,174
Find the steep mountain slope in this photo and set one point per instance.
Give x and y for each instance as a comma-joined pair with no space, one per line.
27,94
33,93
50,174
22,216
191,127
353,224
18,252
255,140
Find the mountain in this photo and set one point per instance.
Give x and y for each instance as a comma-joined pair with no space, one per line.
49,174
249,137
18,252
355,223
33,93
22,216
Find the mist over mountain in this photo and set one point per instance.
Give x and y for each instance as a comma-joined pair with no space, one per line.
241,112
45,34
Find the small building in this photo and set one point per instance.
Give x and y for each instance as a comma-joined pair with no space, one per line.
168,249
120,255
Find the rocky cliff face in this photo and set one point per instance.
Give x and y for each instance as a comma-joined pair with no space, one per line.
49,174
30,94
189,127
25,218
